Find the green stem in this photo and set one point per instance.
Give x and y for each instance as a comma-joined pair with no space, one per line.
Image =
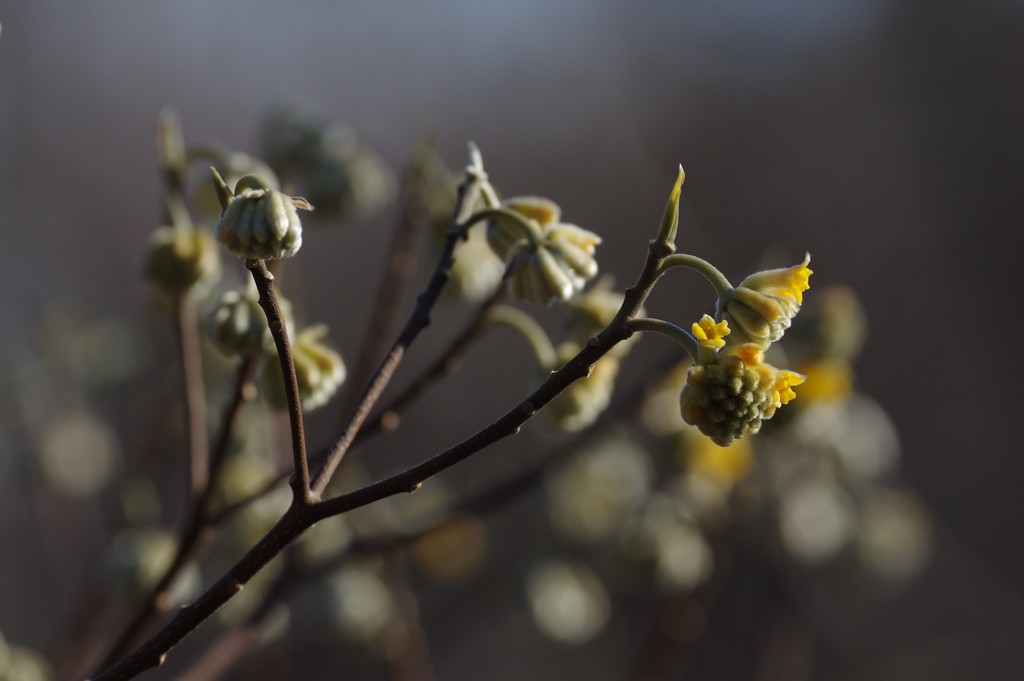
529,329
676,333
527,226
722,286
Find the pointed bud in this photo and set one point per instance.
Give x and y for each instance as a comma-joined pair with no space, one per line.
670,221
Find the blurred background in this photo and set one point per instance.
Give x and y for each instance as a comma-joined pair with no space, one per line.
885,137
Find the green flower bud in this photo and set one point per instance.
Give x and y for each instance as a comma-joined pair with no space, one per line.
179,259
476,272
239,326
583,401
731,395
260,222
339,174
320,371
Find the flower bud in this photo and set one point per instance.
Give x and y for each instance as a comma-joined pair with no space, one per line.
260,222
731,395
761,308
320,371
179,259
504,232
239,325
232,167
554,267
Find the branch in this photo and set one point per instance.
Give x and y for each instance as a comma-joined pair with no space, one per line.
268,301
192,529
187,328
420,319
300,518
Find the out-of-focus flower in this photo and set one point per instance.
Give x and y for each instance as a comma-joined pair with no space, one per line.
894,536
725,466
731,395
816,519
338,173
832,327
593,495
361,604
568,601
239,326
827,380
78,453
178,259
319,369
18,663
260,222
136,558
584,400
664,537
762,307
550,260
454,551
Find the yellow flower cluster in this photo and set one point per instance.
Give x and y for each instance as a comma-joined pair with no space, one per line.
730,397
731,390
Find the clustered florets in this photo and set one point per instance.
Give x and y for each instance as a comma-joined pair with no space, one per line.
549,259
731,396
731,390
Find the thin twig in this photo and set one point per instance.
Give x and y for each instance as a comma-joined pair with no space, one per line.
275,320
420,318
192,528
401,266
300,518
383,419
187,328
490,499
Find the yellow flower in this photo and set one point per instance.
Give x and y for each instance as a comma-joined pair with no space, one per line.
733,393
709,334
827,380
724,466
761,308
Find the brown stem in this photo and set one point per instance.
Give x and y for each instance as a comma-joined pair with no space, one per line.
444,365
275,320
492,498
419,320
300,517
192,529
401,266
187,327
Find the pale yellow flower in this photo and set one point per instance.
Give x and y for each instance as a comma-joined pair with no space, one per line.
762,307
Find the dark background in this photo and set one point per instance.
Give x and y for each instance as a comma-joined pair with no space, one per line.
886,137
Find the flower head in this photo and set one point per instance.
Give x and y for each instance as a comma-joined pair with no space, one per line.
731,395
319,369
761,308
550,259
260,222
238,325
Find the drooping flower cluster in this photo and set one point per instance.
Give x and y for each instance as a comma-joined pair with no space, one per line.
551,260
731,396
731,390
